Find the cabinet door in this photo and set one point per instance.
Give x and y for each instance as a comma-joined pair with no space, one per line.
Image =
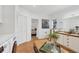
0,14
73,43
61,39
65,40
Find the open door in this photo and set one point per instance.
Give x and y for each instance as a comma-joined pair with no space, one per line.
34,28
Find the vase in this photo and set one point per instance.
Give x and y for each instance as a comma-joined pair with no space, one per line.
54,50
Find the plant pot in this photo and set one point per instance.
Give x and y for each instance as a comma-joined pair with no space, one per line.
55,50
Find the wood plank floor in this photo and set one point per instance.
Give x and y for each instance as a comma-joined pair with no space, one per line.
27,47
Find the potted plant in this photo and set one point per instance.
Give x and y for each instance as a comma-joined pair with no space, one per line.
54,36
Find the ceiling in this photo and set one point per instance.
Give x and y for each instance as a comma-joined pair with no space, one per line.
49,9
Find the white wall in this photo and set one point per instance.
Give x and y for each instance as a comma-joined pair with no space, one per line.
7,16
40,32
68,19
71,14
72,19
72,22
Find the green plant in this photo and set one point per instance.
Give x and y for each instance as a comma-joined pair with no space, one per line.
53,35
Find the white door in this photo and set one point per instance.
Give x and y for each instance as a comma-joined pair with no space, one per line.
21,28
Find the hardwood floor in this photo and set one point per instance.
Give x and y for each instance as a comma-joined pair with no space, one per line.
27,47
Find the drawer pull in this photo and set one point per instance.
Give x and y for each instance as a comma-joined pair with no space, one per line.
67,42
67,45
67,39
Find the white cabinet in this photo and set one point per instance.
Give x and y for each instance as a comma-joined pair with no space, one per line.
61,39
73,43
69,42
0,14
66,41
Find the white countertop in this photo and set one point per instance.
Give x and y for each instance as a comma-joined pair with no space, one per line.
5,38
7,42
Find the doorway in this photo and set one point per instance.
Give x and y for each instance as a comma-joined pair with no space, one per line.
34,28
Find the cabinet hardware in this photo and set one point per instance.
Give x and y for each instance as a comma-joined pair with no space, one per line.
67,39
67,42
67,45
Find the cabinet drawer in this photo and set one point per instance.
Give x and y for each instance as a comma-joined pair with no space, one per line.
61,39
